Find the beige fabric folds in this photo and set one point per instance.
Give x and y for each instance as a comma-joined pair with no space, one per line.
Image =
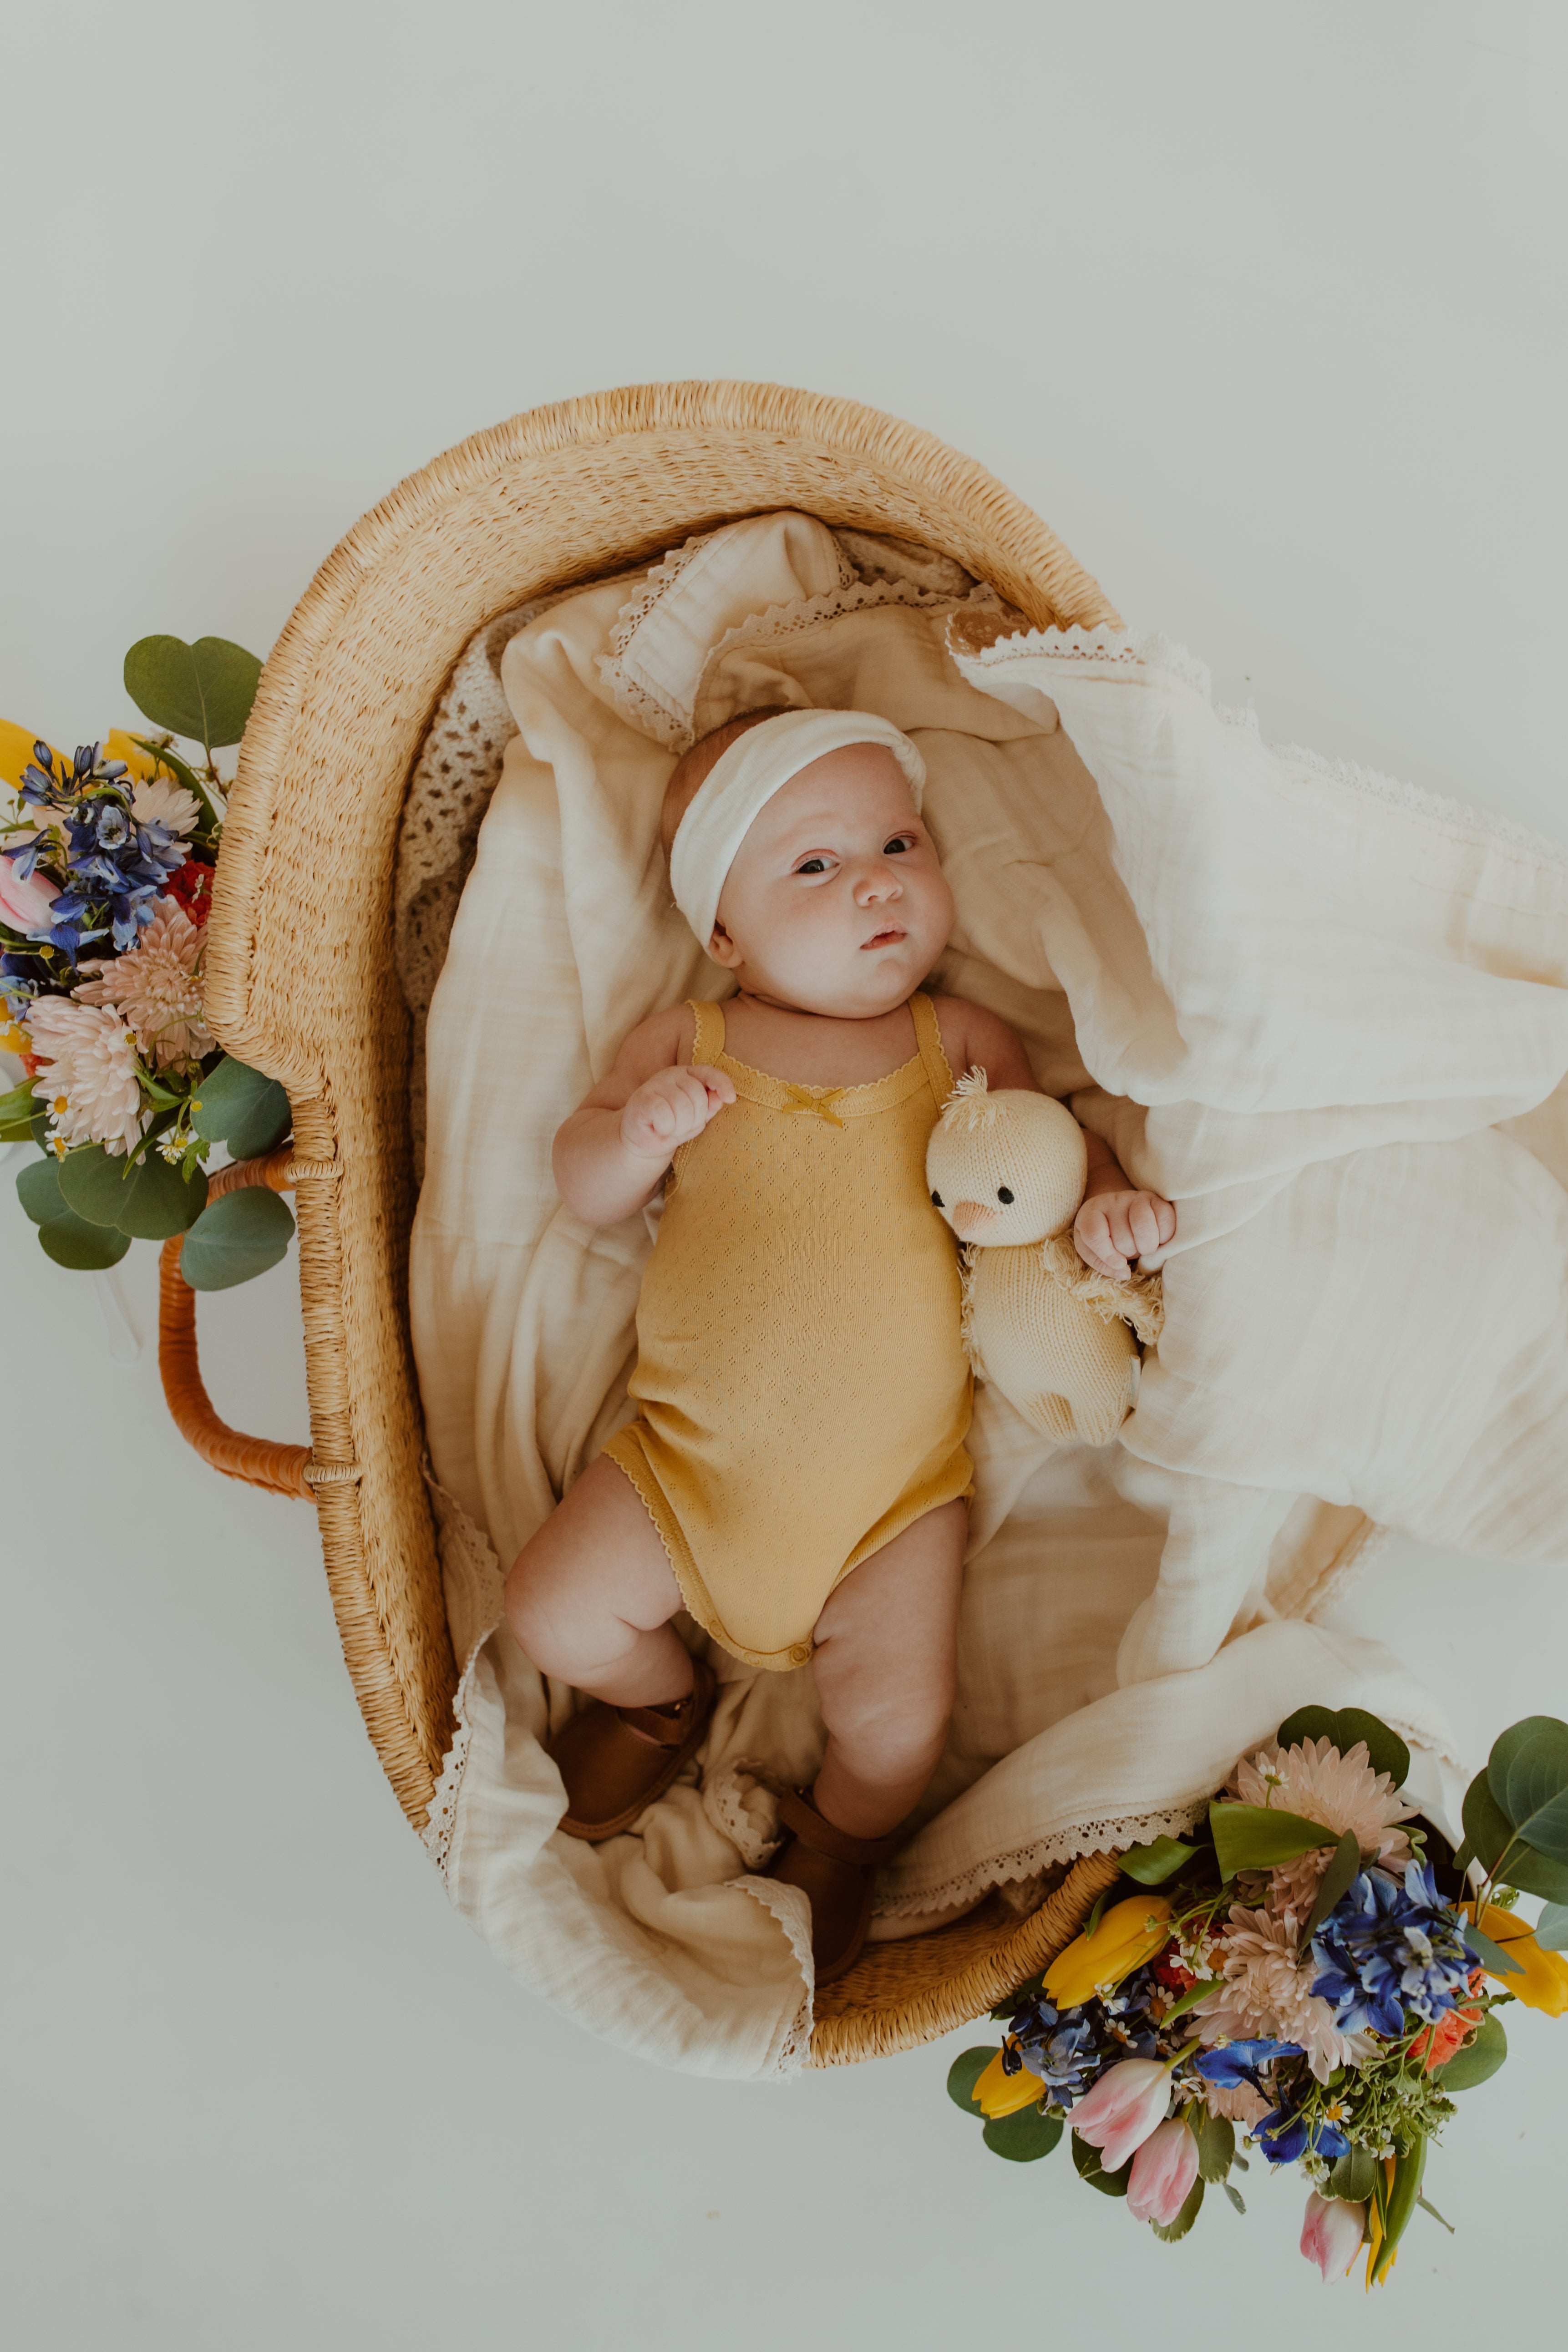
1299,1001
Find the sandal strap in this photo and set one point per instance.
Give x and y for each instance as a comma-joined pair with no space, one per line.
799,1813
666,1727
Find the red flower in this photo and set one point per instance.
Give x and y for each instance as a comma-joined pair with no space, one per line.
1439,2041
1168,1971
191,886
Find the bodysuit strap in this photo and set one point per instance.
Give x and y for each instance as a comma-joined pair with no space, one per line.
709,1041
928,1037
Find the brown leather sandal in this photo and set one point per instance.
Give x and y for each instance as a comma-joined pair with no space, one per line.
615,1760
835,1871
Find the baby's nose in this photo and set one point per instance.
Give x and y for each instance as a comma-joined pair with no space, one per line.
971,1217
877,882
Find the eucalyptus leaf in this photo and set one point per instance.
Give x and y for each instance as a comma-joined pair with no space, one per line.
1478,2060
1216,2148
962,2075
156,1198
1235,2196
239,1106
1025,2137
93,1184
1353,2177
1386,1752
1260,1837
236,1238
1337,1880
203,691
1086,2161
71,1241
39,1189
1492,1956
1488,1829
1152,1865
1552,1927
1528,1776
1171,2230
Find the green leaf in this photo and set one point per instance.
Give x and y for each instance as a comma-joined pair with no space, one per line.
1488,1829
1552,1928
1216,2148
1092,1922
143,1195
1478,2060
39,1189
1427,2207
1023,2138
1191,1997
71,1241
236,1238
1169,2231
1528,1775
1354,2177
1257,1837
1491,1956
203,691
1338,1879
238,1106
1235,2196
963,2074
19,1109
93,1184
1152,1865
1386,1752
1086,2161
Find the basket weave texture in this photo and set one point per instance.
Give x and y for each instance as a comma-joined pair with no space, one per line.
302,983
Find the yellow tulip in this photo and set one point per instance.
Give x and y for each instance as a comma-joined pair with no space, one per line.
1543,1982
997,2094
13,1040
1129,1934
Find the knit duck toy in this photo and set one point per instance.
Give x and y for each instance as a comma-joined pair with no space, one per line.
1007,1170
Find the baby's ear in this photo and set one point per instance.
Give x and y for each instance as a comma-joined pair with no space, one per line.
722,949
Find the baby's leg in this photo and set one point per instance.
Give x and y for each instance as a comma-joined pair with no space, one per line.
591,1596
885,1667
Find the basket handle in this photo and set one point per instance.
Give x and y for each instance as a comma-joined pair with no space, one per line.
260,1461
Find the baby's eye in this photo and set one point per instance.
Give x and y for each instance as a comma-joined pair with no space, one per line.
813,865
1005,1195
899,842
936,1199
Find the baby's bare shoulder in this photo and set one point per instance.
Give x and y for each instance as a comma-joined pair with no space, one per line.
661,1042
973,1039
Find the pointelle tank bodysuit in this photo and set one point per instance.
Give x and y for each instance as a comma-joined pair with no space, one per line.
801,1373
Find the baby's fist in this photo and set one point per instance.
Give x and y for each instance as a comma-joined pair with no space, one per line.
672,1106
1113,1228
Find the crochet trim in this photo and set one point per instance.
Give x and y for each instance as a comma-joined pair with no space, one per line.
775,1900
441,1822
1063,1846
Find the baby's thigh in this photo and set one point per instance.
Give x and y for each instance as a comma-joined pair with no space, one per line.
893,1621
597,1556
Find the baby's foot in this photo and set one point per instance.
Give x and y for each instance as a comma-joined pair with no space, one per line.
615,1760
835,1871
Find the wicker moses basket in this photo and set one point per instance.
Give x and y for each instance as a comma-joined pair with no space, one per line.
303,985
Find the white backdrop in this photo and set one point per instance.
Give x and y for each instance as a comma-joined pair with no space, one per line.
1261,309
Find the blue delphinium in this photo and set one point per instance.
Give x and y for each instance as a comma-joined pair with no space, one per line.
113,868
1067,2049
1287,2135
1231,2064
1386,1950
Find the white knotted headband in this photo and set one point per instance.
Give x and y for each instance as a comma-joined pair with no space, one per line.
743,781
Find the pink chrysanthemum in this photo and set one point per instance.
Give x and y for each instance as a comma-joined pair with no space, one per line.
1244,2105
157,987
1267,1990
87,1076
1344,1792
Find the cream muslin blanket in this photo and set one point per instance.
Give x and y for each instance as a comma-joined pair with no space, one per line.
1301,1001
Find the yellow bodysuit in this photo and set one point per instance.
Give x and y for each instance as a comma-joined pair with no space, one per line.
801,1370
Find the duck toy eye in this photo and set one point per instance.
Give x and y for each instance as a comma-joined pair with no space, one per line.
1004,1195
936,1199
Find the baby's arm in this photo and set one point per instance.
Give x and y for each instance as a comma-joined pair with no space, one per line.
610,1157
1118,1220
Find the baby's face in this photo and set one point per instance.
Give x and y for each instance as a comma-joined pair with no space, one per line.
835,903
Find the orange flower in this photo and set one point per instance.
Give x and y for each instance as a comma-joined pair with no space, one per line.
1450,2033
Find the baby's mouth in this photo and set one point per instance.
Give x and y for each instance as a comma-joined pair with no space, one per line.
888,939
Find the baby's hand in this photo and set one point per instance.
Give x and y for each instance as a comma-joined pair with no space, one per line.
672,1106
1112,1228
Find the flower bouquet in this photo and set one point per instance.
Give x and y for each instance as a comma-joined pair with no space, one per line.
106,862
1317,1970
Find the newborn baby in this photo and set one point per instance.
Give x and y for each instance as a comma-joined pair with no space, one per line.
803,1393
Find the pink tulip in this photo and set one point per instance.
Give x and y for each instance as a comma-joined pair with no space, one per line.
1331,2234
25,904
1163,2171
1124,2108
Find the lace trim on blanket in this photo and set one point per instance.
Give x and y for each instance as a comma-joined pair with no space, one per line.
441,1822
783,621
793,1912
755,1837
1061,1845
1111,652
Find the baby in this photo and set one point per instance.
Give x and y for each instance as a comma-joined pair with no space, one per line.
804,1394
